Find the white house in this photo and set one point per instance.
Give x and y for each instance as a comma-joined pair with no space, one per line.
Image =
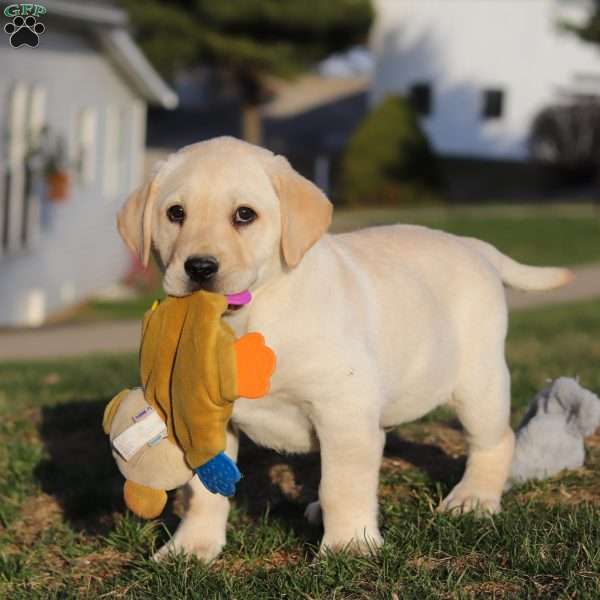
83,90
480,71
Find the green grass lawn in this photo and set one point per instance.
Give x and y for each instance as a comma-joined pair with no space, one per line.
539,235
64,532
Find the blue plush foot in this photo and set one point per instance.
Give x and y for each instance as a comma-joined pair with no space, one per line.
219,475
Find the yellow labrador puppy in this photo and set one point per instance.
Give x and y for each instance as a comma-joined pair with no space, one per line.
371,329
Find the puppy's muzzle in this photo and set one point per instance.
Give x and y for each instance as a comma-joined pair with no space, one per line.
201,268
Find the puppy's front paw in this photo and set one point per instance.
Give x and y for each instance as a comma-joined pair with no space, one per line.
354,543
461,501
205,550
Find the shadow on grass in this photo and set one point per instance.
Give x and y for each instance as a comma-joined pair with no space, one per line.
80,471
281,485
433,460
82,475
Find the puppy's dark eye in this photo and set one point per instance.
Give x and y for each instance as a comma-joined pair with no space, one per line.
176,214
244,215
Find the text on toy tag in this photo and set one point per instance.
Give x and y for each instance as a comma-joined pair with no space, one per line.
150,428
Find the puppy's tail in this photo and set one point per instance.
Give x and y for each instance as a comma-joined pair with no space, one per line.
517,275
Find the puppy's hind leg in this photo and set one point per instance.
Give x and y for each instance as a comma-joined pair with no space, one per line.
483,407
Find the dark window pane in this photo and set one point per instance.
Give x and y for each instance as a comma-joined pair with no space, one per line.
6,210
493,104
420,98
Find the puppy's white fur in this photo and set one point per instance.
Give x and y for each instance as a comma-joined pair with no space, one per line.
371,329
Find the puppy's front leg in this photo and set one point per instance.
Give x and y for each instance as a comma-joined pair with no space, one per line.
202,529
351,442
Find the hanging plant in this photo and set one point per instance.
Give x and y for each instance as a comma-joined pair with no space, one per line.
58,179
59,185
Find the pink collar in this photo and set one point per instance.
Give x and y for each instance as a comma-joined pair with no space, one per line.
239,299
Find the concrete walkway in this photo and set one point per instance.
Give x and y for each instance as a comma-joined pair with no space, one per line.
123,336
70,340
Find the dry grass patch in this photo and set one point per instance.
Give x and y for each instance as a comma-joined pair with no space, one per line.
246,566
472,560
492,590
555,493
88,572
37,515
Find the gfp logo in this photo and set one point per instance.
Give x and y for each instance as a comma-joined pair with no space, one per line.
24,29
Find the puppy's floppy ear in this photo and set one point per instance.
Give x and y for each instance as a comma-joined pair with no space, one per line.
305,211
134,221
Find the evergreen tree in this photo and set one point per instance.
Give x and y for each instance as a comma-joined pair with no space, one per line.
250,40
589,31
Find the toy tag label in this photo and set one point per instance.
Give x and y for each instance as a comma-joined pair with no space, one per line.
143,431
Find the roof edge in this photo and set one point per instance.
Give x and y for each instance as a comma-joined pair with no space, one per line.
100,15
122,49
108,25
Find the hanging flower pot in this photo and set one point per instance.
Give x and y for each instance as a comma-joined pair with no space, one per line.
58,180
58,185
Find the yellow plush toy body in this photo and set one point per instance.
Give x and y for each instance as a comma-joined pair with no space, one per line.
192,369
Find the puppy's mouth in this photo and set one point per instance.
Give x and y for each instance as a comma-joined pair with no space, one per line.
235,301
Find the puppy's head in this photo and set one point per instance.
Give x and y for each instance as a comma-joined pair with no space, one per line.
225,216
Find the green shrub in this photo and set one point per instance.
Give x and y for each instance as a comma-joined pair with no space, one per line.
388,159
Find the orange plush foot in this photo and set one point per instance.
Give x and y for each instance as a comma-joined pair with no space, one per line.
145,502
255,365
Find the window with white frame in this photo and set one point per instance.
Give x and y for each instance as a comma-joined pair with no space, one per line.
86,146
138,142
13,189
21,185
124,142
37,116
36,134
111,151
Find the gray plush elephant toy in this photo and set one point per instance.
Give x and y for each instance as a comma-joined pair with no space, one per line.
551,435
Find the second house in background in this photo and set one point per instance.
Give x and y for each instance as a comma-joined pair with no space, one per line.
481,72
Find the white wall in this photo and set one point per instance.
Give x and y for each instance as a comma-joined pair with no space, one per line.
80,252
464,46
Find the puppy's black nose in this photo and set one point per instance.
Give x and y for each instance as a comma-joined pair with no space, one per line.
201,268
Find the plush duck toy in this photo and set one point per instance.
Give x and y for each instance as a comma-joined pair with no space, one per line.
192,369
